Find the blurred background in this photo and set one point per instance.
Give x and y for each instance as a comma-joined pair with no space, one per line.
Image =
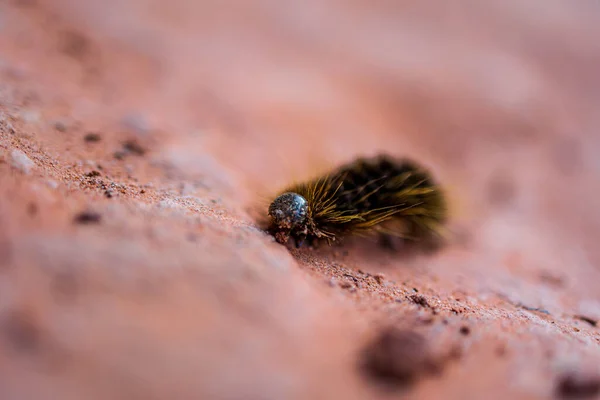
193,113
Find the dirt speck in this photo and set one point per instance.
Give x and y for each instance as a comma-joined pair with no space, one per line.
60,126
32,209
501,350
92,137
593,322
74,44
397,357
535,309
552,279
87,218
465,330
134,147
419,300
575,385
21,331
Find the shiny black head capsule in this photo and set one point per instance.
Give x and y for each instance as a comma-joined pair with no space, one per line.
288,211
288,214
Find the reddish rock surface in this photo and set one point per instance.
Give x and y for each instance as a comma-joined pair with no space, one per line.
140,142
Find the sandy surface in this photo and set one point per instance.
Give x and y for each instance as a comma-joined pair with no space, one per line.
141,140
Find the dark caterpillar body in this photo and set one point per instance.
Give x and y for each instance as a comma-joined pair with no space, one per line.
382,194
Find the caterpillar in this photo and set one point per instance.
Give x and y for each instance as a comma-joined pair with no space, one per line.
394,197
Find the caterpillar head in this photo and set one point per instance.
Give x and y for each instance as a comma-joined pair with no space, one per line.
288,212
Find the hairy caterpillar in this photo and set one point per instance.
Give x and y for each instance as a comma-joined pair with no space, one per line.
376,194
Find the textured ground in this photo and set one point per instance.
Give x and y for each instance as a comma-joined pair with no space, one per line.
140,139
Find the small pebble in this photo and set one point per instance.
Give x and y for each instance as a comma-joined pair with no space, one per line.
419,300
346,285
578,386
20,161
92,137
379,278
60,126
398,357
132,146
88,217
